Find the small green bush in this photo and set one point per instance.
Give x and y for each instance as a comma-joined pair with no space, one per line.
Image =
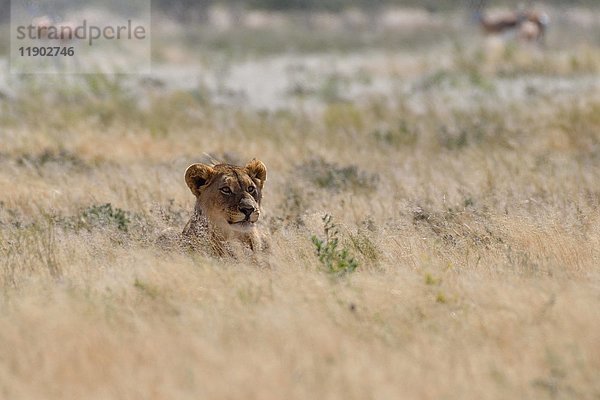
335,261
105,215
334,177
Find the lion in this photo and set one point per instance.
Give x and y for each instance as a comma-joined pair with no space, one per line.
228,207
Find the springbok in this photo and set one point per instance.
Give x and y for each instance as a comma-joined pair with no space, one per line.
530,25
534,26
44,25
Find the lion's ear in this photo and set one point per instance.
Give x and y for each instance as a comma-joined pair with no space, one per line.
198,175
257,170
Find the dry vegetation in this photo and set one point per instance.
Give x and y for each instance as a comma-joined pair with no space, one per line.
475,233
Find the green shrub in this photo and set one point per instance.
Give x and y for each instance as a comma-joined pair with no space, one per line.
105,215
335,177
334,260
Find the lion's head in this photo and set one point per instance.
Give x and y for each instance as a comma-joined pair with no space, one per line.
228,195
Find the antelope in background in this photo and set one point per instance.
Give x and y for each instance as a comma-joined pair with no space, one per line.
64,30
529,24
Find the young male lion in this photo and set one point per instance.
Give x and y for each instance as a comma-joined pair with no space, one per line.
227,206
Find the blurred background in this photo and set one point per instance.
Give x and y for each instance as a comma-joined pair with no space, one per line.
273,54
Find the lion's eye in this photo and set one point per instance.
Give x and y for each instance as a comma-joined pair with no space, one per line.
225,190
251,189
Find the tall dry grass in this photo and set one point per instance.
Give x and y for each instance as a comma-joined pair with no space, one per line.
476,231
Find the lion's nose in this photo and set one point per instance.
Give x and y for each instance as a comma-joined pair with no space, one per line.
247,210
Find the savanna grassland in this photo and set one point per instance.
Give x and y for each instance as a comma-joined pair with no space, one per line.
462,176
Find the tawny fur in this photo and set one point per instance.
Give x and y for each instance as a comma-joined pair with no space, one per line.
227,209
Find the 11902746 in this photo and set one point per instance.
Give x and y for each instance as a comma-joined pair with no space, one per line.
46,51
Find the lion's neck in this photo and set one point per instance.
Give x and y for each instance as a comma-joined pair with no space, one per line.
201,225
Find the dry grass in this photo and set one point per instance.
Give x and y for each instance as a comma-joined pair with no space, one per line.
476,231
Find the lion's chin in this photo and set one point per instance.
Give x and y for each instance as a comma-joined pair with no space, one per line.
241,225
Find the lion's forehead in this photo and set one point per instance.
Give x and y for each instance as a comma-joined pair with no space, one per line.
237,180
